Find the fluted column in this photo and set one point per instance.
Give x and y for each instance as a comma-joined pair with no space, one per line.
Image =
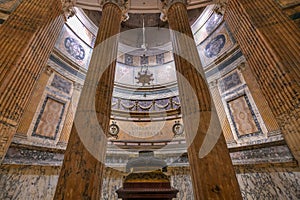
213,176
270,42
26,40
82,171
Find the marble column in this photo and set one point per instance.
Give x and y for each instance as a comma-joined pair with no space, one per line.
82,171
26,39
270,42
213,176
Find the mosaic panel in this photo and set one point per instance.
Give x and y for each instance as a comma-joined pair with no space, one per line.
215,45
230,81
73,47
243,117
61,84
49,120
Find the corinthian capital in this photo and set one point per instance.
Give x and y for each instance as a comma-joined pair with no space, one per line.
220,7
68,8
123,5
166,4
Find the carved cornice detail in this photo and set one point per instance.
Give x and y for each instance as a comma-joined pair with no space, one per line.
68,8
166,4
78,86
220,7
123,5
48,70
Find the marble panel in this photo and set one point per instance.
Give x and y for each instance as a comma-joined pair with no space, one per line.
242,116
181,180
49,119
230,81
279,184
112,181
73,47
61,84
28,182
215,45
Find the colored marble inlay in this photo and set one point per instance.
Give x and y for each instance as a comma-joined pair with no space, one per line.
212,23
230,81
61,84
49,119
242,116
215,46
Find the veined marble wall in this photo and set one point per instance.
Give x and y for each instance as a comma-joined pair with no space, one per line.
22,182
269,183
112,181
181,180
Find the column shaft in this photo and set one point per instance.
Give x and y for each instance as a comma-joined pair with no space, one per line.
81,174
270,42
26,39
213,175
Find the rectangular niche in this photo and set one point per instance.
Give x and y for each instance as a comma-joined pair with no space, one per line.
49,119
242,116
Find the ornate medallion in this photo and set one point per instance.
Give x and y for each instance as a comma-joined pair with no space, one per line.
177,128
114,129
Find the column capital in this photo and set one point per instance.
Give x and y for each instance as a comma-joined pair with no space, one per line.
48,70
68,8
242,66
122,4
220,7
78,86
213,83
166,4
